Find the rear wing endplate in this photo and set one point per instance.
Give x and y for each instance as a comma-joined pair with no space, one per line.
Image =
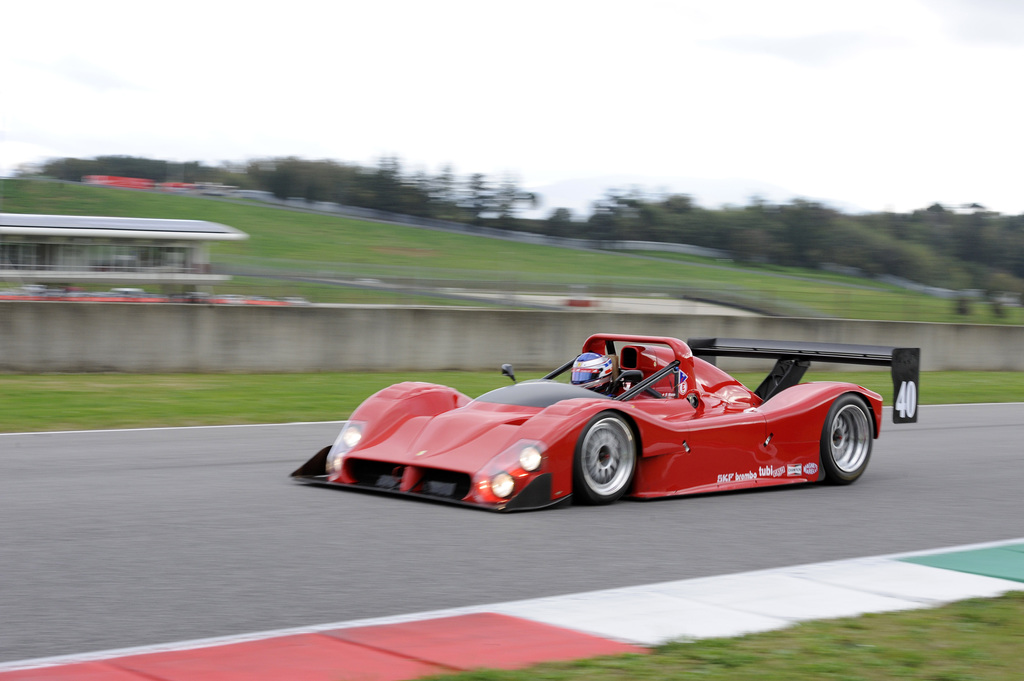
794,357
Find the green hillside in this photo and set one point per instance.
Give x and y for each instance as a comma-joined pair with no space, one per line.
333,259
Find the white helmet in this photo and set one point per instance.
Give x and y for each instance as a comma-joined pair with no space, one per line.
591,370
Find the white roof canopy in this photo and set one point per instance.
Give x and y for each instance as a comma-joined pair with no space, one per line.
20,224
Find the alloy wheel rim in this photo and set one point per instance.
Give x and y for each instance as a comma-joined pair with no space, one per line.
850,438
607,460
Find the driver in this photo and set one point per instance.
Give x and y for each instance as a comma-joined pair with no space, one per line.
594,372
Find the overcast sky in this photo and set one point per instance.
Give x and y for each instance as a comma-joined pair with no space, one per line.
876,104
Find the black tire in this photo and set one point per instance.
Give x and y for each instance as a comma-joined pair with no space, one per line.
846,440
605,461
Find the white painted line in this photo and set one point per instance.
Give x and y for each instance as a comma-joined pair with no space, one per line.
955,549
896,579
642,617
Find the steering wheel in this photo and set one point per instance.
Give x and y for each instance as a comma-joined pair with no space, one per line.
633,376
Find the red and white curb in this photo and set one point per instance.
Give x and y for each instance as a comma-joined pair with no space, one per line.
521,633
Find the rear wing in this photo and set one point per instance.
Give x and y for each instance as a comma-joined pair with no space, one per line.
794,357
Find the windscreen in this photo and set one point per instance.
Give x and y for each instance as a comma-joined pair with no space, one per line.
539,393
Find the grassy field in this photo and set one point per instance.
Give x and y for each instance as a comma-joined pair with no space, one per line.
95,401
286,241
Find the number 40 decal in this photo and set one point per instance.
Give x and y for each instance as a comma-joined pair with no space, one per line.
906,364
906,400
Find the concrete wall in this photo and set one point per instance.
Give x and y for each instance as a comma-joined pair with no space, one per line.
97,337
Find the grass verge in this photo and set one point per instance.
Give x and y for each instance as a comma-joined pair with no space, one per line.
973,639
97,401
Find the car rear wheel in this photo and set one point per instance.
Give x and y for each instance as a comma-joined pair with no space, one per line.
846,440
605,460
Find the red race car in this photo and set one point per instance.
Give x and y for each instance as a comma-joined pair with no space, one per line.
662,422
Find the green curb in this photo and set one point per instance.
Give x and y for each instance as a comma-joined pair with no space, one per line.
1004,562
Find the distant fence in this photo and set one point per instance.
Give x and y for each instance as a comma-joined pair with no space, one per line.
72,337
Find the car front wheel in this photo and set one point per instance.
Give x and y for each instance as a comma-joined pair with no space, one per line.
846,440
605,460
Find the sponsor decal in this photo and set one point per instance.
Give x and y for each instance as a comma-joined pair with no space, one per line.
680,385
764,472
810,469
769,472
737,477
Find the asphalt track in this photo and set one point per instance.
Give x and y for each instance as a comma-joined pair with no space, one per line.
113,539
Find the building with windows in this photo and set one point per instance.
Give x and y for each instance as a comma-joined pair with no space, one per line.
68,249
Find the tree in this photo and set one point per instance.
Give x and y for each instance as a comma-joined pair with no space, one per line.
509,199
478,198
560,223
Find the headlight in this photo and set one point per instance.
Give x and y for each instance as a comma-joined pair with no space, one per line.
509,473
349,437
502,485
351,434
334,459
530,458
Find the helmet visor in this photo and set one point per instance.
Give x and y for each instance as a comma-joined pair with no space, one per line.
581,375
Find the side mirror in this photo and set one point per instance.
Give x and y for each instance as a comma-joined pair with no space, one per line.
506,370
